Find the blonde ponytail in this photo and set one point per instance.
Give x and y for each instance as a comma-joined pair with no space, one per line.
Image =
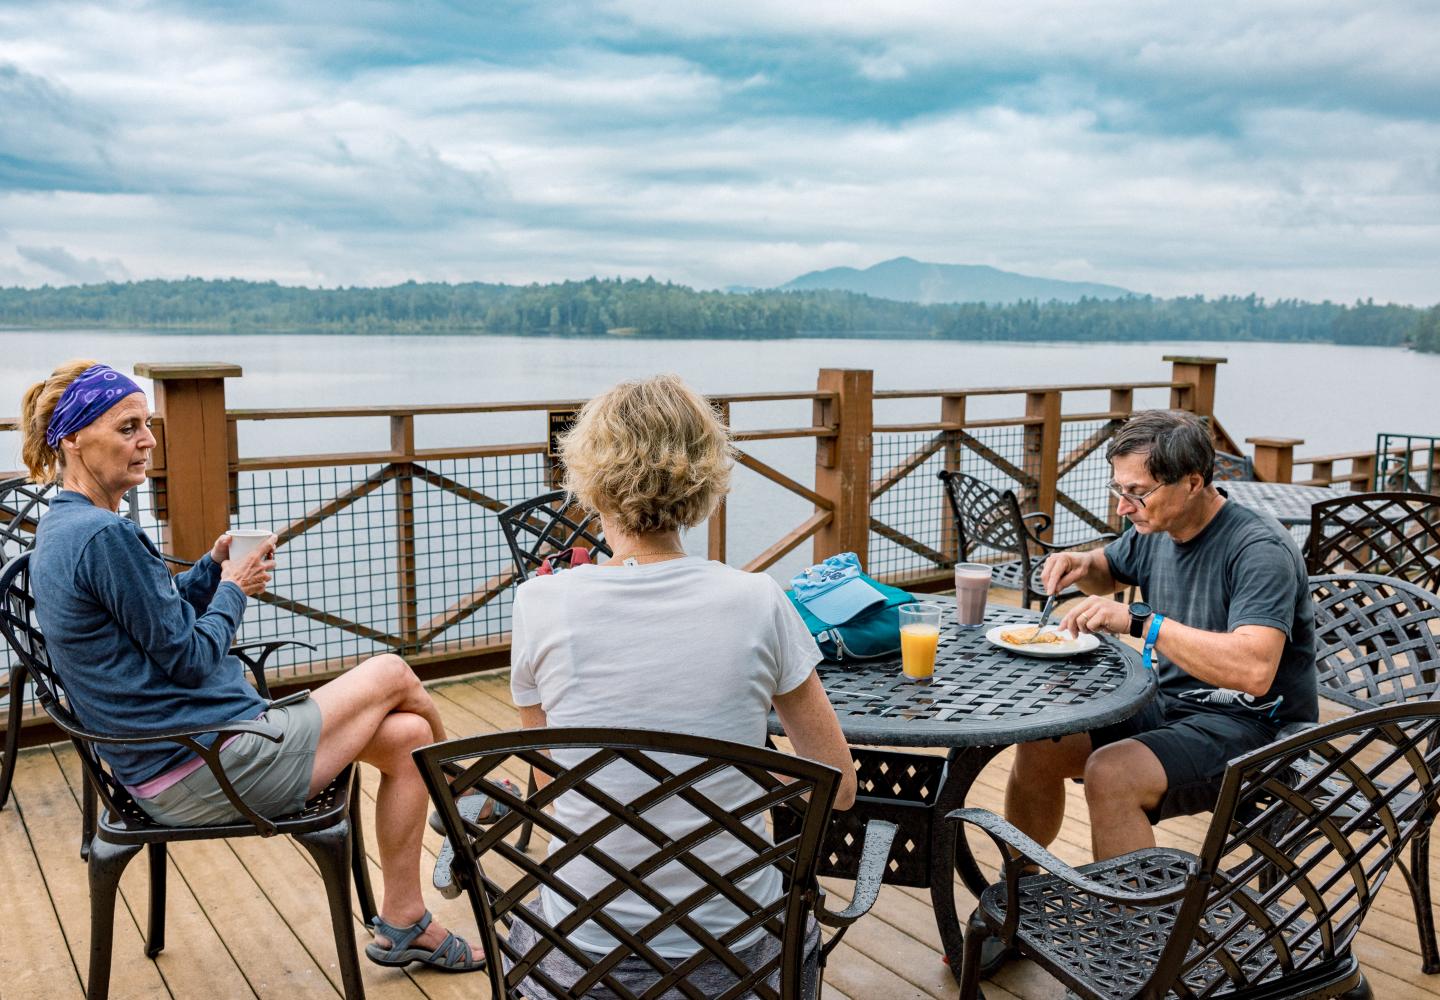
36,407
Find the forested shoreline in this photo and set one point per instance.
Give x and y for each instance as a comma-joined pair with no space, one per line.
615,307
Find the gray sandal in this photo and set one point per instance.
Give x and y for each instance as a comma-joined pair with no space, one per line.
472,804
453,954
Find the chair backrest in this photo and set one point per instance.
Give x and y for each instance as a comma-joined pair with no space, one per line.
1377,639
676,772
1303,836
27,643
1390,534
540,527
21,504
1230,468
984,516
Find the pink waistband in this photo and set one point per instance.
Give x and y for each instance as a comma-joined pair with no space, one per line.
176,774
160,782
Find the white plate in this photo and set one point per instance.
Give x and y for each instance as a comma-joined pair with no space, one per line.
1046,650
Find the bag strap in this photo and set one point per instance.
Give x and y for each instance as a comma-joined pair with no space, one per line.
565,559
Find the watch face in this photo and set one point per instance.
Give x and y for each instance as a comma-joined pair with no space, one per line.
1140,610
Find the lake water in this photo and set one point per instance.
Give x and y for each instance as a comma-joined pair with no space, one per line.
1336,398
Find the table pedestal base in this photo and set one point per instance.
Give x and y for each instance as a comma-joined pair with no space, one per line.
950,854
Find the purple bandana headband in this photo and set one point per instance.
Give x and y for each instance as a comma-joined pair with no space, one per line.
98,388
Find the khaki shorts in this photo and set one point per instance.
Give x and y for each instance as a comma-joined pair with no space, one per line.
272,778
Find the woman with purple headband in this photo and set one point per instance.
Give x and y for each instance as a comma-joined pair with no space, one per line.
140,650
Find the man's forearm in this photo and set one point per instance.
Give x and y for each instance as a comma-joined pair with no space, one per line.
1239,660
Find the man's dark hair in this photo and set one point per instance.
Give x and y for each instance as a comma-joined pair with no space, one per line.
1175,444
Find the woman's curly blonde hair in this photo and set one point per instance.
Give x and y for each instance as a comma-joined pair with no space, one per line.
37,406
651,455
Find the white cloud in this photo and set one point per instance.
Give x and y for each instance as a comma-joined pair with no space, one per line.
71,269
181,145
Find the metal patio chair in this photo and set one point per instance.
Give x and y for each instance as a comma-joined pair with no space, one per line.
1300,842
22,503
328,827
1391,534
1230,468
529,955
988,518
1377,643
542,526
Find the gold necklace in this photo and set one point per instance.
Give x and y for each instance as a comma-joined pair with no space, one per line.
637,556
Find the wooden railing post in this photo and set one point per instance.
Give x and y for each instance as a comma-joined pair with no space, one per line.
1199,397
407,582
1275,458
952,412
715,530
1363,465
190,399
842,463
1122,403
1042,455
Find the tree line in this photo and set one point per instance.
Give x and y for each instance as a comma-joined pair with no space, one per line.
599,307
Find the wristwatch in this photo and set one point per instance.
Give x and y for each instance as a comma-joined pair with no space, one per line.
1139,611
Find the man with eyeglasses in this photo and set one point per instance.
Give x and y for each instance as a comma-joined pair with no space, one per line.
1226,624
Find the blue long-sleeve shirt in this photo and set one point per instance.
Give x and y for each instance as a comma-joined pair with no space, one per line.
137,649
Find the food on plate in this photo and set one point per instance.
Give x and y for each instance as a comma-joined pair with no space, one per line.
1028,637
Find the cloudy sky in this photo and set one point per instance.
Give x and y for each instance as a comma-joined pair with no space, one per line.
1286,147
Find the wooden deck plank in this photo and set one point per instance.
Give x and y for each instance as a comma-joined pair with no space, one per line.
288,877
43,965
220,895
196,960
52,816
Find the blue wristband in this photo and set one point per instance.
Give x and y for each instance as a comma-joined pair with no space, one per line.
1146,657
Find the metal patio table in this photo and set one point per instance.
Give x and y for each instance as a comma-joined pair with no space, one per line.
983,698
1288,503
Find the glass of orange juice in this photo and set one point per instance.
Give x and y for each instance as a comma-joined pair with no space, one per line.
919,635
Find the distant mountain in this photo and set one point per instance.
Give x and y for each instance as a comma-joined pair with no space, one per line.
907,280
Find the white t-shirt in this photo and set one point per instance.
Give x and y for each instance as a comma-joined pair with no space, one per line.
689,646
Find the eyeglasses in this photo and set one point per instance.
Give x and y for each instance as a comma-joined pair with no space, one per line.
1137,499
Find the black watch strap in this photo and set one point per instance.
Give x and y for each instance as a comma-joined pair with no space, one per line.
1140,612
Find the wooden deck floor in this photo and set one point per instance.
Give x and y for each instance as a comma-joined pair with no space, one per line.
247,918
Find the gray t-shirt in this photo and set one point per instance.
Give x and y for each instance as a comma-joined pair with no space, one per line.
1242,569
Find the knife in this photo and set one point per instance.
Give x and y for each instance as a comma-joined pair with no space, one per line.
1044,617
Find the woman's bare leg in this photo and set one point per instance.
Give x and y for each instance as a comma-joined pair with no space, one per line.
378,713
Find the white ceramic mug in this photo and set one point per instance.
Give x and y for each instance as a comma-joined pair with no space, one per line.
244,541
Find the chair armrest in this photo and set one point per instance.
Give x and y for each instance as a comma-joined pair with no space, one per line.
255,654
185,735
1042,521
879,835
177,561
1009,839
1108,536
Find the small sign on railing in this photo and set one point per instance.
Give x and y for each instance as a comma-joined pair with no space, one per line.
560,421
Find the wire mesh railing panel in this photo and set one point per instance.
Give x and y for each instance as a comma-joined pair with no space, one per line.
913,510
343,581
465,589
1085,482
915,507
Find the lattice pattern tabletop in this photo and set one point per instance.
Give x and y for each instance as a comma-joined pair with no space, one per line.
982,694
1288,503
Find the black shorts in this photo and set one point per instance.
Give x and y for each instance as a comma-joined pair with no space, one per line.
1193,743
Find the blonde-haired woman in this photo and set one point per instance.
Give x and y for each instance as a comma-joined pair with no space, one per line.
656,639
141,651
